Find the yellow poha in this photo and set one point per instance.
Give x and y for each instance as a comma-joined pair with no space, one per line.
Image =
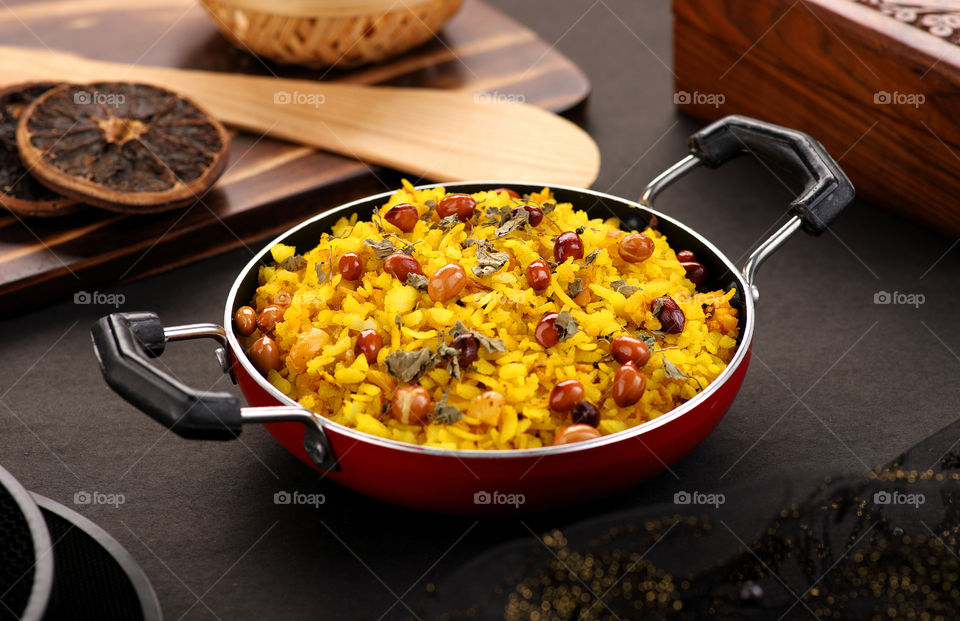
323,314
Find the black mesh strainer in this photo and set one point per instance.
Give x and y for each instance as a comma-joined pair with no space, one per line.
26,565
95,578
57,564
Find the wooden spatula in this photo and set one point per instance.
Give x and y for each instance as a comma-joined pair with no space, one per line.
434,134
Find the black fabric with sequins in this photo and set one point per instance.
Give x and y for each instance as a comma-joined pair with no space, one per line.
883,546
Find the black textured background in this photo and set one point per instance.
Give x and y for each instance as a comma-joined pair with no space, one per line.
837,382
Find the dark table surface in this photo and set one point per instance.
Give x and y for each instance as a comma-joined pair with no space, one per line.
837,384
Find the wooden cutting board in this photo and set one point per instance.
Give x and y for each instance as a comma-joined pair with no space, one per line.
269,185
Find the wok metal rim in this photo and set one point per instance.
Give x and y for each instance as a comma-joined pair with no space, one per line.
746,338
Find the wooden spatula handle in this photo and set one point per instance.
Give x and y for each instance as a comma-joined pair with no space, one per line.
434,134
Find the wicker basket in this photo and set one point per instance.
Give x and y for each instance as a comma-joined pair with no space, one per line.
323,33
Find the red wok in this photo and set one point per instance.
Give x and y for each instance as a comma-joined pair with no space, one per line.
473,481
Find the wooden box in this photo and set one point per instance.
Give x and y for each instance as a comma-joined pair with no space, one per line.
877,82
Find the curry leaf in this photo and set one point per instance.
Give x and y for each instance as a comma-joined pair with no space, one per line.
516,221
488,260
406,248
493,345
431,207
452,356
671,371
376,220
446,414
408,365
383,248
575,288
490,344
621,287
648,339
294,263
417,281
447,223
566,326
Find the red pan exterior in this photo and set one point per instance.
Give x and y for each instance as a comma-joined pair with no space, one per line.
503,482
453,484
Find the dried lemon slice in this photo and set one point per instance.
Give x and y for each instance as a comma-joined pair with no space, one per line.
122,146
19,191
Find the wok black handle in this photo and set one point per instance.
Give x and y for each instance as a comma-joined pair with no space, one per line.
826,189
124,343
